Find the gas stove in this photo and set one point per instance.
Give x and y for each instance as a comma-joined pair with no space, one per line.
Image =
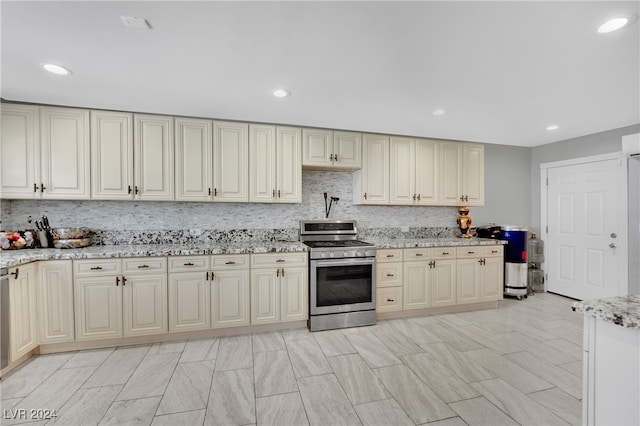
334,239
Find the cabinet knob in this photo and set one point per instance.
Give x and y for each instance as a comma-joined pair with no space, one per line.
278,193
209,191
42,187
129,189
335,157
365,195
35,188
124,281
418,197
135,189
414,197
117,281
15,274
330,157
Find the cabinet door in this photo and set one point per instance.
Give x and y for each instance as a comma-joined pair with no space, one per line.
375,169
144,304
230,298
473,174
317,148
289,165
427,178
189,301
194,159
65,149
402,171
20,151
468,281
262,164
111,155
450,171
492,279
98,307
153,157
265,296
443,282
416,285
23,331
55,301
230,162
294,294
347,150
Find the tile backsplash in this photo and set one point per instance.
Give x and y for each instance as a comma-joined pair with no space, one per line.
196,219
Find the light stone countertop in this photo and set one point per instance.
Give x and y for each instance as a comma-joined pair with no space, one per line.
10,258
623,310
397,243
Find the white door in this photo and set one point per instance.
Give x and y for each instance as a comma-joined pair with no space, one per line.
587,229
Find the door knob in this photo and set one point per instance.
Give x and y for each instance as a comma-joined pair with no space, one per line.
613,245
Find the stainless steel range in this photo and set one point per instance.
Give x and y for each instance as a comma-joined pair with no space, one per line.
342,275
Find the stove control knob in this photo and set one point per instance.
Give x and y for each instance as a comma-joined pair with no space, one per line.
331,255
323,254
346,254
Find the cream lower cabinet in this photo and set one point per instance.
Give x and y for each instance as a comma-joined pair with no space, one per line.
389,278
120,298
417,294
23,325
229,290
55,301
279,289
480,274
208,292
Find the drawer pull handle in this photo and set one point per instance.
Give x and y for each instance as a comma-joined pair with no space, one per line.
96,268
391,275
188,264
390,300
280,260
471,252
142,266
445,253
494,251
419,254
231,262
391,255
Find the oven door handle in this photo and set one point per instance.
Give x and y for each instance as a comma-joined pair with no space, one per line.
344,262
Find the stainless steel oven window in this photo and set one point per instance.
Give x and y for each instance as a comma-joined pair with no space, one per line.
342,285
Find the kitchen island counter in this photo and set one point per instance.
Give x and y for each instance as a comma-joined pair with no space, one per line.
10,258
623,310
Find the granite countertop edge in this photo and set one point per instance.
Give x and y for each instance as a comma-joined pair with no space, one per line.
10,258
622,310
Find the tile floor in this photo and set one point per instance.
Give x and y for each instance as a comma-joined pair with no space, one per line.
518,364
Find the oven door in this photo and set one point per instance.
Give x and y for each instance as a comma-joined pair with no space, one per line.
342,285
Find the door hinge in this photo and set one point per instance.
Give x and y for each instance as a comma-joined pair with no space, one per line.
547,181
547,229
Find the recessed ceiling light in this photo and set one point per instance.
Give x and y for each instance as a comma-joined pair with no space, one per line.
438,112
613,25
56,69
133,22
553,127
280,93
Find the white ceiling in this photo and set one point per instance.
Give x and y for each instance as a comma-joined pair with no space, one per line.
503,71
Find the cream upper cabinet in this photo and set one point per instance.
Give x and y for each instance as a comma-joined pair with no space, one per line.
111,155
194,159
153,157
275,171
65,153
402,171
461,174
230,161
55,301
20,151
331,150
371,183
473,174
23,327
427,172
413,171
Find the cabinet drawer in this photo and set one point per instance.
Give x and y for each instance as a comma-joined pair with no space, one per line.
144,264
389,255
491,251
97,267
188,263
442,252
230,261
389,299
278,260
389,274
468,251
416,254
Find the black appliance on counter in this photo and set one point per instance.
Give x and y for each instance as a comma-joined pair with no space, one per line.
342,275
